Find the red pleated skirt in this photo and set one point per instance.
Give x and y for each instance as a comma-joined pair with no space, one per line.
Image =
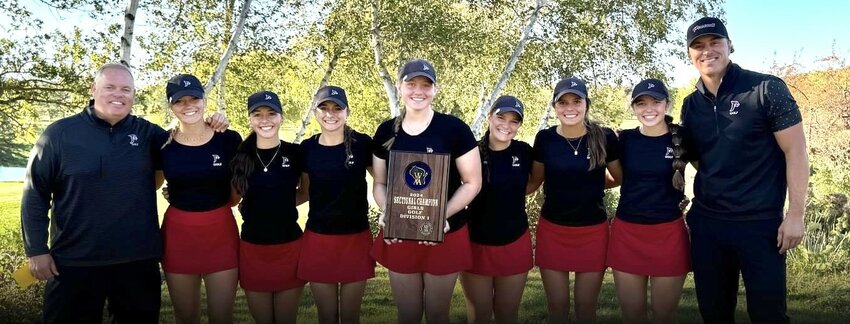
453,255
269,268
199,242
571,248
650,250
336,258
503,260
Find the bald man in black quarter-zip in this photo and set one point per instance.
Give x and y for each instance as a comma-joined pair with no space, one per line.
746,132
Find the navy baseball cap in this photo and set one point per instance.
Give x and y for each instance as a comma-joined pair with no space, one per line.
183,85
417,68
264,99
331,93
650,87
706,26
508,104
571,85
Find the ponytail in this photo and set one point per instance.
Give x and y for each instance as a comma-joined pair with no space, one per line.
678,151
596,142
484,150
396,126
171,133
347,139
243,163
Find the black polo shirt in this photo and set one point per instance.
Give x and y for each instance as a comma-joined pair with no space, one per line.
574,196
338,195
268,206
741,172
647,195
198,176
497,216
445,134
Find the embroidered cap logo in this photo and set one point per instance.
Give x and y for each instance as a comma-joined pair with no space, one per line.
268,97
186,84
702,26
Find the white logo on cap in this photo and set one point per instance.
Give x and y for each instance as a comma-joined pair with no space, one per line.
425,67
518,105
650,86
669,154
334,93
134,140
268,97
186,84
702,26
429,150
573,84
216,160
734,106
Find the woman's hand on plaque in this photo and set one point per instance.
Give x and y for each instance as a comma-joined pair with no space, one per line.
382,224
445,230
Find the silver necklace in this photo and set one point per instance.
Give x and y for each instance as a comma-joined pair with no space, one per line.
266,165
575,148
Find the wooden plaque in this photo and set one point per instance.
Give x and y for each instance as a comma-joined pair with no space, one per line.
417,185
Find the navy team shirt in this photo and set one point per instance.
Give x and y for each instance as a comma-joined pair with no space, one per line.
268,206
497,216
741,173
198,176
573,195
445,134
647,195
338,203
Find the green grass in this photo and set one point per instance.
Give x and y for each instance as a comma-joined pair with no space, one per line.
812,298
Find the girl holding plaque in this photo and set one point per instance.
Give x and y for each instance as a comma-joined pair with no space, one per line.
498,222
200,238
267,172
335,257
424,273
571,160
649,241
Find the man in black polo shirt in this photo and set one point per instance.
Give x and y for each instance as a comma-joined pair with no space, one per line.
746,132
93,174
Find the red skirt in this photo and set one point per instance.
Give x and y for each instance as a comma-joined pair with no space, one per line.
571,248
451,256
336,258
661,250
269,268
503,260
199,242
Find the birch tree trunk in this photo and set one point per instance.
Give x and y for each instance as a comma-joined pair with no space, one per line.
377,47
509,68
544,120
234,40
308,112
221,102
129,24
